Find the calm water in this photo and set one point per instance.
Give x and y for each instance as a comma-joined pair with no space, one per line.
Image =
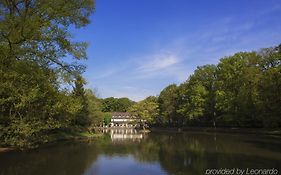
132,153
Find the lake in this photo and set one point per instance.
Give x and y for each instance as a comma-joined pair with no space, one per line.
128,152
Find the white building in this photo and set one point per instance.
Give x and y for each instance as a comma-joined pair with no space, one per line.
123,119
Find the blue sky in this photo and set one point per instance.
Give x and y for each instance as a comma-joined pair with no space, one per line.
138,47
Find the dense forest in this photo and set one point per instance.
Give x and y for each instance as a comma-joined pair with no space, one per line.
42,90
242,90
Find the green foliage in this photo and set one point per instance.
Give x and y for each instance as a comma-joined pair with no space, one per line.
32,105
124,104
168,99
195,101
116,104
107,118
34,43
238,77
147,110
268,87
197,95
94,108
82,117
242,90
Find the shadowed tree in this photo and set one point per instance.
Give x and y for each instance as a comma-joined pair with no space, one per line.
36,49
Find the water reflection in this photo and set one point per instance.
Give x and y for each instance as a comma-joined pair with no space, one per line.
123,165
121,135
155,153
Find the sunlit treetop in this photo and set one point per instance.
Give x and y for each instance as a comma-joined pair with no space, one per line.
38,30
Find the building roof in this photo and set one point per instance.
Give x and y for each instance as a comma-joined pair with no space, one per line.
122,115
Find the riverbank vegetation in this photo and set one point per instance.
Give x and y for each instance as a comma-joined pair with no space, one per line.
41,86
242,90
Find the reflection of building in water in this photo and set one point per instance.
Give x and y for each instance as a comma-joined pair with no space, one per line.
124,134
123,119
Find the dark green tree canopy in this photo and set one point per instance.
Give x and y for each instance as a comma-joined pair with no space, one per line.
38,31
112,104
242,90
37,52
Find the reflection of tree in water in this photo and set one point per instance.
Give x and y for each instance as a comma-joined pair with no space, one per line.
177,153
63,159
194,153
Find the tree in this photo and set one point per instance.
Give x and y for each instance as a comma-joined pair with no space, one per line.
168,102
82,117
242,90
112,104
109,104
193,101
32,106
146,110
96,116
38,31
106,118
236,95
124,104
197,95
34,43
269,91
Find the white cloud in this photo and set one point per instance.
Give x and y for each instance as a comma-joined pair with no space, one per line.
162,64
158,62
105,73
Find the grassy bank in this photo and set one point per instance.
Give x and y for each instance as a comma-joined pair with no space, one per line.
73,135
264,131
6,149
54,138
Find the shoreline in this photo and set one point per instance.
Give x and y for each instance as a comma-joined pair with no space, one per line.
58,138
261,131
86,135
6,149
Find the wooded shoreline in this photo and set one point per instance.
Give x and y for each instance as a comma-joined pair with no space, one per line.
258,131
226,130
58,137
